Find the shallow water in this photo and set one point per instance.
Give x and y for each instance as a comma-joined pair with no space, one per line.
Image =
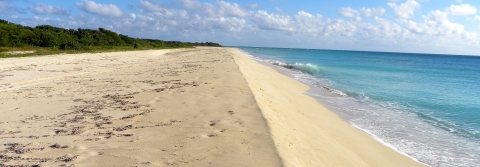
426,106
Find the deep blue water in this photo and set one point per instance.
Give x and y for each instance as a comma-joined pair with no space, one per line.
426,106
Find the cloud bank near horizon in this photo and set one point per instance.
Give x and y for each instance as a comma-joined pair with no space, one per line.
397,26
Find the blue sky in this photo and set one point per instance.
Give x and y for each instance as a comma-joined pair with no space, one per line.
425,26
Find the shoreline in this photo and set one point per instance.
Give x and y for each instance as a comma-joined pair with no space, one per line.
314,89
396,154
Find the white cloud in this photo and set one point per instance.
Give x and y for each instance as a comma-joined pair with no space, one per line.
436,23
194,4
351,13
388,29
348,12
227,24
268,21
304,23
310,24
109,10
48,9
150,6
368,12
477,17
206,9
405,10
232,9
461,10
190,17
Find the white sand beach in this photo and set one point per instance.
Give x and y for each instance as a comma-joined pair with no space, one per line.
183,107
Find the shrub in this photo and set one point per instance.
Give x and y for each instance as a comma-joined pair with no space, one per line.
55,48
136,46
4,50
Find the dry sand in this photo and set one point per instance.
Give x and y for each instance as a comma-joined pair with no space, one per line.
189,107
19,52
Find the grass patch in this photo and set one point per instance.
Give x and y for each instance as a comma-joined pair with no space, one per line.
4,50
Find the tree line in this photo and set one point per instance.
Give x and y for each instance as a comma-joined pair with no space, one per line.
16,35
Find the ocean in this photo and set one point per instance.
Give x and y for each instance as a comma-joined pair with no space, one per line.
425,106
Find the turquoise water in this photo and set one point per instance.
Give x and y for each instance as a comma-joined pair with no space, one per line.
425,106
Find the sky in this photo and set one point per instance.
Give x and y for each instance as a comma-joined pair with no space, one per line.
418,26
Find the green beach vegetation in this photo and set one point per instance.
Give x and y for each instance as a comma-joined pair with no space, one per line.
46,39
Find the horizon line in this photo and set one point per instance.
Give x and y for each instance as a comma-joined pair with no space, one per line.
440,54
